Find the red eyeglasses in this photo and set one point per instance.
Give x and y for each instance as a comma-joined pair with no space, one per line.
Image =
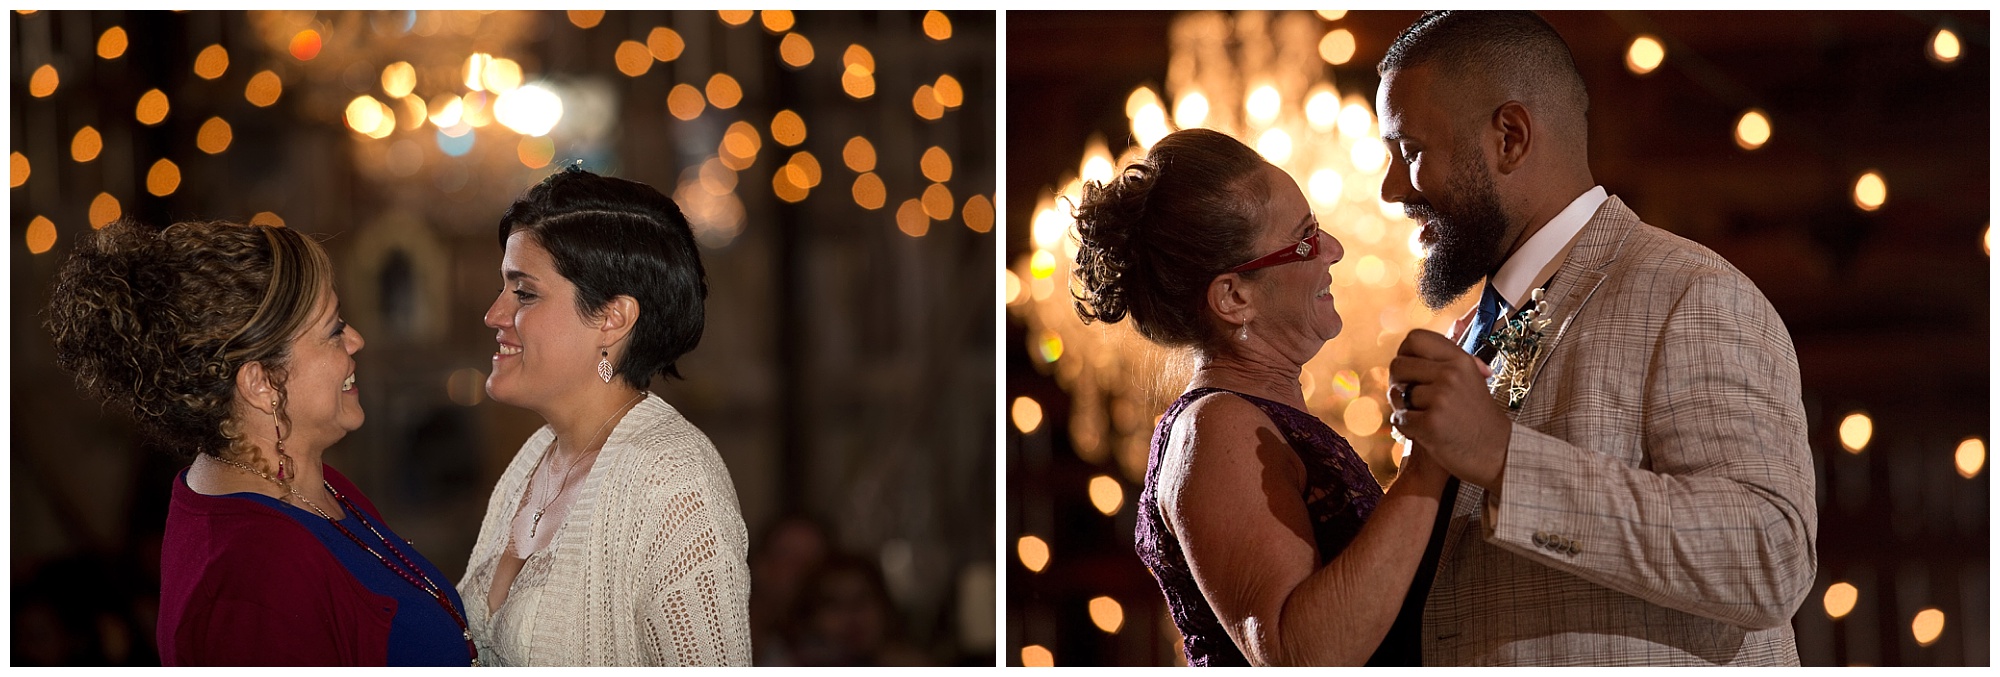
1306,250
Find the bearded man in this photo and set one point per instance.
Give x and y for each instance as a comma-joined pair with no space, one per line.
1634,483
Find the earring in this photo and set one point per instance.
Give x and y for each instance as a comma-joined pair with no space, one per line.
278,435
604,366
1243,334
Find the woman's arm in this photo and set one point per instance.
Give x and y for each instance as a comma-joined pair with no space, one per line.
1230,488
694,584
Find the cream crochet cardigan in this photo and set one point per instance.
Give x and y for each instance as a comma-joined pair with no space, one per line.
649,568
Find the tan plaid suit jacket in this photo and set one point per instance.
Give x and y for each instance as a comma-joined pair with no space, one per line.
1658,505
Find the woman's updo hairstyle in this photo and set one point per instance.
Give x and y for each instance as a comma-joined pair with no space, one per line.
156,322
1152,239
613,237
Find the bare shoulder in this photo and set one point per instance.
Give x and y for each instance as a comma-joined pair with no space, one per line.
1220,447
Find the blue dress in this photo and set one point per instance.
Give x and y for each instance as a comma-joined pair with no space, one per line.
421,632
1340,495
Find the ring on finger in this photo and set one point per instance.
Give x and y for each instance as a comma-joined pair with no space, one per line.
1406,395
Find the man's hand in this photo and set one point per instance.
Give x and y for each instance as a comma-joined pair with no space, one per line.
1438,398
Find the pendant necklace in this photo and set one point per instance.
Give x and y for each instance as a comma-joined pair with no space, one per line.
535,521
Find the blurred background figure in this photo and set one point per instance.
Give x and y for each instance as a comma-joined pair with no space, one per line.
837,169
790,551
1777,139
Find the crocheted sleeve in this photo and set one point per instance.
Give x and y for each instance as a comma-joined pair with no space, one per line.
693,591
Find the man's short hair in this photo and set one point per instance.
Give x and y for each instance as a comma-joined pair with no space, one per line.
1516,51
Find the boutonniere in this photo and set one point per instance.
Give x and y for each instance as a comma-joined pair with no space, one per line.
1520,345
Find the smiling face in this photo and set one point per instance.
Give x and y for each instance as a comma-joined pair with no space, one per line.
1294,301
1441,177
547,350
321,397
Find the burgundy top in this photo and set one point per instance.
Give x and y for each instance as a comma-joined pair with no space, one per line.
1340,494
244,584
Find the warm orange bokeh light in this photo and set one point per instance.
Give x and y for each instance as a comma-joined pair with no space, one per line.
778,20
685,102
926,103
535,152
163,178
1033,552
41,235
112,43
87,143
936,165
264,89
936,25
1644,54
978,214
305,45
1107,614
949,92
938,202
1855,431
214,136
633,59
910,219
857,83
869,191
787,128
859,155
856,55
212,62
43,82
796,50
665,44
1870,191
152,108
586,18
104,209
784,184
1337,46
723,92
804,169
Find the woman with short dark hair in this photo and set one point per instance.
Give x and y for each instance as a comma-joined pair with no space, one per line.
224,342
614,536
1271,540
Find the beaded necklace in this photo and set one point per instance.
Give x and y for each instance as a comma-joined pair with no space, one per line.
421,580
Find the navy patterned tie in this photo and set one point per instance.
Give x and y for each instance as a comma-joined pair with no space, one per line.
1491,309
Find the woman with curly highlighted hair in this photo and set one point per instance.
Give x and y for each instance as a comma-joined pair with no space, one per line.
1272,542
224,342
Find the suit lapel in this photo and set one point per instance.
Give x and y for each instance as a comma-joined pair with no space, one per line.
1582,273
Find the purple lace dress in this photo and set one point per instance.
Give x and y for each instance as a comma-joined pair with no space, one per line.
1340,495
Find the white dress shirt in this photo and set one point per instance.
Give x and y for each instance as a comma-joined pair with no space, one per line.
1538,258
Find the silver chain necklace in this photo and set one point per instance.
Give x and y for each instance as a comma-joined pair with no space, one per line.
535,522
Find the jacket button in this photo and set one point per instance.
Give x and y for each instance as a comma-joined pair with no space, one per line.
1541,539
